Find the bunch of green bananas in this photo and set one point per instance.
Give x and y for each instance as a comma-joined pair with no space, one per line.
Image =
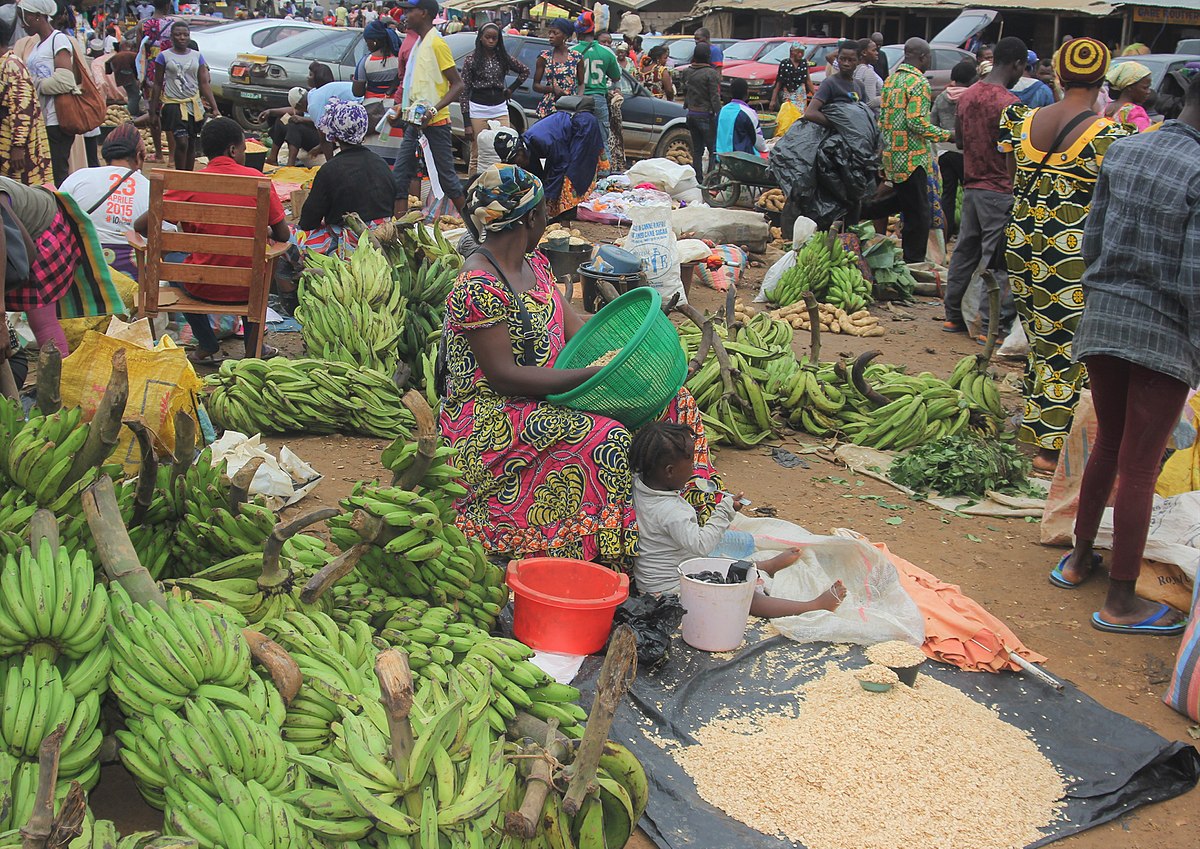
450,785
815,260
426,556
735,406
402,453
971,377
240,815
51,605
163,655
335,663
824,401
143,739
426,287
16,509
306,396
257,589
352,311
211,528
33,703
103,834
38,457
848,288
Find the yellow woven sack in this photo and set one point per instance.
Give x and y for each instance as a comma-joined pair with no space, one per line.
1181,473
789,114
161,383
75,328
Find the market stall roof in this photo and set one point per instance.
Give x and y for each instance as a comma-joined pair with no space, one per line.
1092,8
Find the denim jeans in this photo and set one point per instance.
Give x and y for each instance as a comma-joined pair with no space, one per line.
704,137
605,122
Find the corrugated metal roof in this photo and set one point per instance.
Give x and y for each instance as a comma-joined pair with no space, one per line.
1090,8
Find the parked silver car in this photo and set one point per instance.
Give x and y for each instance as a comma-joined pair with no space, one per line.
222,43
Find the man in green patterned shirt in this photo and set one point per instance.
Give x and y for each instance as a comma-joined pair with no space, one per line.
907,138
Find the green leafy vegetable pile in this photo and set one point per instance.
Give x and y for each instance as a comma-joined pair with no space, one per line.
964,464
893,280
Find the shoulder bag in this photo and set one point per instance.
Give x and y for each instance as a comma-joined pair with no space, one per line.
82,112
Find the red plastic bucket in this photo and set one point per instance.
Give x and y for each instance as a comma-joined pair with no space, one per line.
564,605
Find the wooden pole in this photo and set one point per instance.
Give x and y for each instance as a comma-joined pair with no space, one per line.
616,674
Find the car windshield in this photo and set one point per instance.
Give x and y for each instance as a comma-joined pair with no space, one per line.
743,50
681,49
776,54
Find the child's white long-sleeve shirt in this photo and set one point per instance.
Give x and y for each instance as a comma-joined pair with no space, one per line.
669,533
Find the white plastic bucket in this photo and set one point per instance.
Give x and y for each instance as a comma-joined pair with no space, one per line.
716,613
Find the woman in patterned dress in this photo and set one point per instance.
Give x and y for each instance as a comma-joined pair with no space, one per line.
542,478
1052,192
654,74
556,73
24,147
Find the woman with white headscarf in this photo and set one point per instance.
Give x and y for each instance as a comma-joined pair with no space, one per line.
1129,88
48,54
356,180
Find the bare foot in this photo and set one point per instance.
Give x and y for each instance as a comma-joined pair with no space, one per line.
831,599
1046,460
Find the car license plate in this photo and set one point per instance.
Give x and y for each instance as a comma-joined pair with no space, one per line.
252,95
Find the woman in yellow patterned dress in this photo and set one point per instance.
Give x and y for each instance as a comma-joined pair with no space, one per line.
541,478
1057,151
24,147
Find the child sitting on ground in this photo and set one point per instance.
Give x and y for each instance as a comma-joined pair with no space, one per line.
669,530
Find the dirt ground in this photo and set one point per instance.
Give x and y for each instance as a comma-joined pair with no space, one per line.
1005,570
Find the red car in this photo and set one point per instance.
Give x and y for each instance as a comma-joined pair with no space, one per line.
760,72
748,50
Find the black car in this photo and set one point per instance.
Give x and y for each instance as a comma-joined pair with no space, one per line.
653,126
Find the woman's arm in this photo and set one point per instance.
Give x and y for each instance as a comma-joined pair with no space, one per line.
492,348
206,91
539,73
358,82
464,99
773,104
572,321
521,70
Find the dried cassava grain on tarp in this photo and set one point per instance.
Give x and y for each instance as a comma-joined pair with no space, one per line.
896,654
919,768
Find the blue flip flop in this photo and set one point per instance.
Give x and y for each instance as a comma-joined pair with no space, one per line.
1146,626
1056,575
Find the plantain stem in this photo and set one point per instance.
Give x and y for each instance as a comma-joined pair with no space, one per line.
147,473
105,429
42,526
113,547
272,575
814,328
35,833
427,441
396,695
49,379
282,667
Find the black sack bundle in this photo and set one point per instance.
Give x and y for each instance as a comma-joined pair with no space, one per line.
826,172
654,620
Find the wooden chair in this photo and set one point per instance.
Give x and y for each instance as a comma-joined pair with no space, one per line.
153,269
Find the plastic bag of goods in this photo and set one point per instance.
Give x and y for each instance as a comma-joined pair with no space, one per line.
652,240
876,608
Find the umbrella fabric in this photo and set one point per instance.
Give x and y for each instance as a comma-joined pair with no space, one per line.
548,11
958,629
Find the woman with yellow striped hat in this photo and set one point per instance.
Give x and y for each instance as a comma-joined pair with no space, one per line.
1056,152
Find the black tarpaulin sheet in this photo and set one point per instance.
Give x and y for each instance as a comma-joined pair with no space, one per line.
1118,764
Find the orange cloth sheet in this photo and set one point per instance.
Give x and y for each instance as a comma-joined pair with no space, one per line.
958,629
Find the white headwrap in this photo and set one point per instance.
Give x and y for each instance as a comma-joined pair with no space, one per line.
39,7
294,95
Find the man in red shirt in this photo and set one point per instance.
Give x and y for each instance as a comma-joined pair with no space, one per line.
987,187
224,143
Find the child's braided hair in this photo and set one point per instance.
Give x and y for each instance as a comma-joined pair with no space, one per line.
658,444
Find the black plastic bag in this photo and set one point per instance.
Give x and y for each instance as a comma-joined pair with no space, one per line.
654,620
827,172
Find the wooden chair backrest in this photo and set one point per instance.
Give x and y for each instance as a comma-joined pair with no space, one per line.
227,212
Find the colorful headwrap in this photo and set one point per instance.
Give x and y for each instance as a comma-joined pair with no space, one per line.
506,143
585,23
378,31
501,196
122,142
344,121
1083,61
1121,75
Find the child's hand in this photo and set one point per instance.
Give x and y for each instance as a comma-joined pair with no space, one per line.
737,502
